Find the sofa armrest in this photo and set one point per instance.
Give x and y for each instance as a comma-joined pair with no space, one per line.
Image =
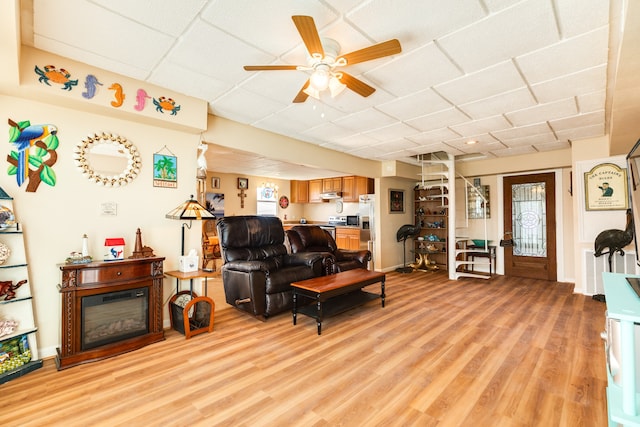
304,258
362,256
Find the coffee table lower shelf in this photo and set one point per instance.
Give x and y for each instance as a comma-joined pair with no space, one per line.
339,304
335,294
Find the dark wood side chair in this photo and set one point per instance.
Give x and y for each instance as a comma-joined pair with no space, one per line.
210,245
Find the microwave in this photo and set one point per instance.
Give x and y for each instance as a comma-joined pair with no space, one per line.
353,220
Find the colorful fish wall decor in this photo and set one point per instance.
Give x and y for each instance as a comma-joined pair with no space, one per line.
118,95
91,84
141,99
167,104
52,75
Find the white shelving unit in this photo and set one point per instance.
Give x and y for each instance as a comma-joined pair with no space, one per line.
18,349
438,171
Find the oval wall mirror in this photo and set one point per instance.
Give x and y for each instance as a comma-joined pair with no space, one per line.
108,159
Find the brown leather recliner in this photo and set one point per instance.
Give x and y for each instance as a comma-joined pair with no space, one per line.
258,270
312,238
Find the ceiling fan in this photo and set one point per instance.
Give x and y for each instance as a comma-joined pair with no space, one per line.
323,60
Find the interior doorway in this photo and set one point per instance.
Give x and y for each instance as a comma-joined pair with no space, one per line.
530,220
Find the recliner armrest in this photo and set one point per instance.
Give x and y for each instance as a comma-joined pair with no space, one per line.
362,256
248,266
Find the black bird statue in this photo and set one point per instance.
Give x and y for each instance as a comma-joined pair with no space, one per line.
404,232
614,239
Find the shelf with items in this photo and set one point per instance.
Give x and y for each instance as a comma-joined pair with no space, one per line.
431,210
435,195
18,345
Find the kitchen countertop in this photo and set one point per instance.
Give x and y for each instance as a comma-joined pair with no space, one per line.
323,224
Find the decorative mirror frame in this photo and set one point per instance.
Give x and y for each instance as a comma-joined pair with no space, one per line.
126,176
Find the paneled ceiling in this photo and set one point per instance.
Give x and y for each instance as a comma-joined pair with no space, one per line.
517,77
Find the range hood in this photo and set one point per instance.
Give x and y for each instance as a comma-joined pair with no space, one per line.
331,195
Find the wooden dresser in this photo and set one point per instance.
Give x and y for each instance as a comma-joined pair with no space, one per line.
109,308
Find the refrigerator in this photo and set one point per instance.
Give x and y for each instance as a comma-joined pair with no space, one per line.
366,211
266,202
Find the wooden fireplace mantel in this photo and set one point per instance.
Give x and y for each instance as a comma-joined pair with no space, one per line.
81,280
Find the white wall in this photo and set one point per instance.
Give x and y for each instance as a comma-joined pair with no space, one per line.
55,218
591,223
390,251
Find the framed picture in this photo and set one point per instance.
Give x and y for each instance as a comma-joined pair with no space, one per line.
165,171
605,188
476,205
396,201
215,204
215,182
243,183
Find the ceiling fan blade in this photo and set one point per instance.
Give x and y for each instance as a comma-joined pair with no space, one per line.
356,85
309,33
390,47
269,67
301,96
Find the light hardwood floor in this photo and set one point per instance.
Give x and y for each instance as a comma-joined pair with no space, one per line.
448,353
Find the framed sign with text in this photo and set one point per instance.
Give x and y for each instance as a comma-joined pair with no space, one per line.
605,188
165,170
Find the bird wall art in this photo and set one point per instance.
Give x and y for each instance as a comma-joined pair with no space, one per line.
34,154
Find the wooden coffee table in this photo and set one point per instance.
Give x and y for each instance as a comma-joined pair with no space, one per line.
336,293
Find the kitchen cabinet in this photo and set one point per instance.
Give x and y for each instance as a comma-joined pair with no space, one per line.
354,186
299,191
331,184
351,188
348,238
315,191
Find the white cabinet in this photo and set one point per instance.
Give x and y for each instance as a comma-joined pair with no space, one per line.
18,346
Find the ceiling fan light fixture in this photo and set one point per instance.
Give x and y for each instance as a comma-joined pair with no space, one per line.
336,87
324,57
340,62
312,92
320,77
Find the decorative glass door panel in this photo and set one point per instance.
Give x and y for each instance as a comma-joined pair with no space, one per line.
529,219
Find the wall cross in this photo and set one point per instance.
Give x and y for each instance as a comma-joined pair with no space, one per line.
242,196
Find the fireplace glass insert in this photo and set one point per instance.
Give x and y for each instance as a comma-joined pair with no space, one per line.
114,316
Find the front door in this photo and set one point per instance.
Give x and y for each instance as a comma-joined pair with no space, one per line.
529,219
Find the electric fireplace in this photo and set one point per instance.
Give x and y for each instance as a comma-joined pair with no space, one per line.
114,316
109,308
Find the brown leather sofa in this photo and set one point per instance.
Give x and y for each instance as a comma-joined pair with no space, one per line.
311,238
258,270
